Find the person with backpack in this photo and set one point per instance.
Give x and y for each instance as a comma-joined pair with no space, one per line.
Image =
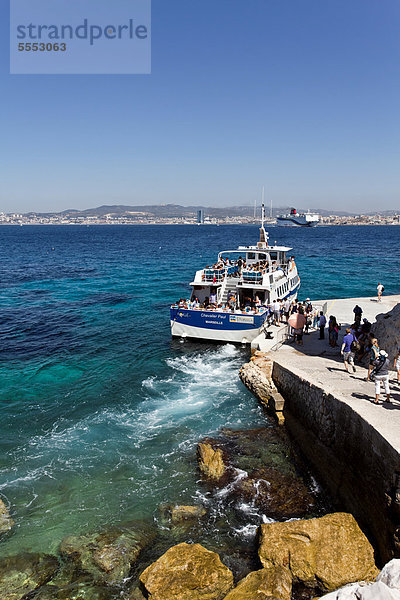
380,374
348,350
373,355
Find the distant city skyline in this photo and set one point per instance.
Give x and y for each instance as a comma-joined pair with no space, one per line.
301,97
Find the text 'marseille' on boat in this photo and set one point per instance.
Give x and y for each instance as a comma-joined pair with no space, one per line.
308,219
229,300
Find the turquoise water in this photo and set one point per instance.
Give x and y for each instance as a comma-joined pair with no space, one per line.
101,410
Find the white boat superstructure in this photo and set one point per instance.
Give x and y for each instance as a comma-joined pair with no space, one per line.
231,299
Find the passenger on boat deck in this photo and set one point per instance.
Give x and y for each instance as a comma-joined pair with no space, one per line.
213,297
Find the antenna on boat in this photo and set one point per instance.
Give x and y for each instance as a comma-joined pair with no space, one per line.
263,243
262,208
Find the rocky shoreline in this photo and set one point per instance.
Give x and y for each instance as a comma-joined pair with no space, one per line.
163,560
321,553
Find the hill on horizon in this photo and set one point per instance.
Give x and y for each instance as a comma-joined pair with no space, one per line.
176,210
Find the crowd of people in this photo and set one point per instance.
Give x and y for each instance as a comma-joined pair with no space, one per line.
277,312
248,306
240,264
360,344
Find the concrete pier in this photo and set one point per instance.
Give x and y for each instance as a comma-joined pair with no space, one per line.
353,444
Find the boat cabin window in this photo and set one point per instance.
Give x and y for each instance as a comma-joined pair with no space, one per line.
273,255
251,256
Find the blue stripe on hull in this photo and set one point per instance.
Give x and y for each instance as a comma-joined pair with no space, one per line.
217,321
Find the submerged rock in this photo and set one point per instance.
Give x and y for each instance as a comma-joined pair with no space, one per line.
108,555
187,572
265,583
182,514
136,594
24,573
275,494
210,460
76,591
6,522
327,552
260,473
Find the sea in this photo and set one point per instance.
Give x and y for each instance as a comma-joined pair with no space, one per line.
101,410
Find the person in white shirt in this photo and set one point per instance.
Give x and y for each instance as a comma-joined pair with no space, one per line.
286,308
276,307
380,289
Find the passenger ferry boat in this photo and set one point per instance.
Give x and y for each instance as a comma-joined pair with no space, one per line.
308,219
230,300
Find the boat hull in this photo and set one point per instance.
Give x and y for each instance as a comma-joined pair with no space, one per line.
289,222
216,326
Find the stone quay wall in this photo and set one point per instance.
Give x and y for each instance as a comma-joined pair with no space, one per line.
359,467
355,462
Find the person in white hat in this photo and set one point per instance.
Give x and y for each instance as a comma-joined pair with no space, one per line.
381,375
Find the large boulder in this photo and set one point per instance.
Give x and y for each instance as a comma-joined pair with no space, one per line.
24,573
257,377
187,572
386,331
6,521
327,552
259,585
108,555
390,574
210,461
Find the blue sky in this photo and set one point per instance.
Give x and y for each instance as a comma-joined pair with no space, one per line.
302,96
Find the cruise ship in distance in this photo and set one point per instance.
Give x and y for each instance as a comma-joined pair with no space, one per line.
308,219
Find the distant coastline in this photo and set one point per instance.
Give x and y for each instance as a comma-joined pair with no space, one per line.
175,214
326,223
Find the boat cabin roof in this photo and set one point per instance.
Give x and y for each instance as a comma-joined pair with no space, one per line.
242,249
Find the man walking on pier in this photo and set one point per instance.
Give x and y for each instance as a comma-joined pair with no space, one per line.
322,323
346,351
380,289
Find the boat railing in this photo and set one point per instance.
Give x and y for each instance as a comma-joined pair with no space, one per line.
252,277
281,336
214,275
248,275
